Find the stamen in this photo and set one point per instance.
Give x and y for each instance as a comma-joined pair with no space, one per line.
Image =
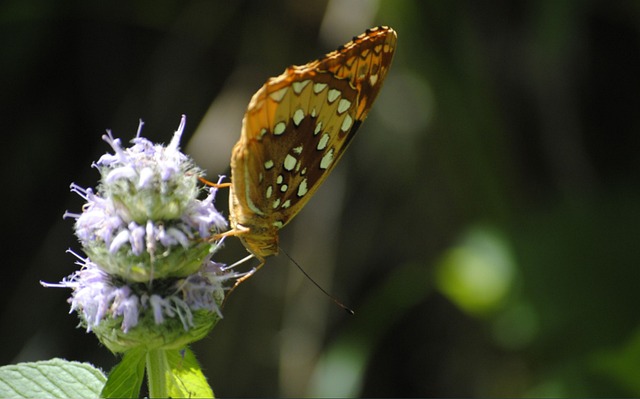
175,141
140,125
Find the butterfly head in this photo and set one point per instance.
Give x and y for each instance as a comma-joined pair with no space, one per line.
257,236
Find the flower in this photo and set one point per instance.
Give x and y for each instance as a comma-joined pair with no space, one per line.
146,221
148,280
168,314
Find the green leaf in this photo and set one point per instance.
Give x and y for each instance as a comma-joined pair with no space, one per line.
176,373
125,379
55,378
188,379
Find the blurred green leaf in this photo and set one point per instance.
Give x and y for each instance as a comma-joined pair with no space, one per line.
478,273
621,365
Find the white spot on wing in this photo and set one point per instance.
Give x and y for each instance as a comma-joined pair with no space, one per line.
289,162
343,105
298,116
346,123
302,188
333,95
278,95
322,144
326,160
299,86
279,128
318,87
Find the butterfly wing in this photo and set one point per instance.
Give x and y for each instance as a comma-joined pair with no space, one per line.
295,130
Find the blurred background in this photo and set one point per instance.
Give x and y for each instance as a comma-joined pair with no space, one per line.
483,225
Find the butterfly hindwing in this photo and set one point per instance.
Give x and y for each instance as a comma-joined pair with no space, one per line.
295,130
312,123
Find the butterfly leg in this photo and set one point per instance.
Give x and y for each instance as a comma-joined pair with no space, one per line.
244,278
237,231
212,184
249,273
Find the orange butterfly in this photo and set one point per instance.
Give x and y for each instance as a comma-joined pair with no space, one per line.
295,130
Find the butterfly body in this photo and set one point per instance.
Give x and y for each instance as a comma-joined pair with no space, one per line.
296,128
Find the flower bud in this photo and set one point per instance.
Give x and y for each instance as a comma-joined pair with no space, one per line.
169,314
148,281
146,221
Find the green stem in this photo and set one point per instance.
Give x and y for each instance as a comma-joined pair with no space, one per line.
157,367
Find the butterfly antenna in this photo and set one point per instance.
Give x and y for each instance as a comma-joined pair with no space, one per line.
333,298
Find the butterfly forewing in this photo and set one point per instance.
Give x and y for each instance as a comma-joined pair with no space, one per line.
295,130
365,61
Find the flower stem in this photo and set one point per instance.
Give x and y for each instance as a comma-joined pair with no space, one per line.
157,367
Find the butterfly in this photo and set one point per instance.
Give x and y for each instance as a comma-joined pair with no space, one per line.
295,130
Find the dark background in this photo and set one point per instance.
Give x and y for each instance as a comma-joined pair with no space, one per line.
484,225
